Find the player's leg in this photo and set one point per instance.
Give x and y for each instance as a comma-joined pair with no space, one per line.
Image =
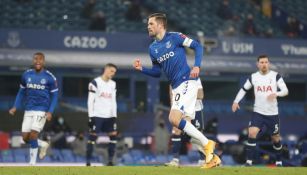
198,122
277,146
111,127
184,100
176,143
33,146
39,120
255,123
212,160
273,127
93,122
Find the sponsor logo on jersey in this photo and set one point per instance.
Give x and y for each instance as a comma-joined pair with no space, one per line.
29,79
106,95
35,86
165,56
264,89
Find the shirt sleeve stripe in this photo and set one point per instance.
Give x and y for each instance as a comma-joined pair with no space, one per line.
54,90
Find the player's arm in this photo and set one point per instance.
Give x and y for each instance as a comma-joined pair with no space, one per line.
155,71
20,96
114,104
283,90
54,92
198,50
92,88
18,100
247,85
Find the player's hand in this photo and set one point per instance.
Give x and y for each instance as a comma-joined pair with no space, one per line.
272,97
195,72
48,116
12,111
235,107
137,64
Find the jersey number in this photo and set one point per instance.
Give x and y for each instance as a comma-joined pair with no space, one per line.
39,118
177,97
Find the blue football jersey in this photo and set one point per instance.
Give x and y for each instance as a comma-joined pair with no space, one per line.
169,53
38,88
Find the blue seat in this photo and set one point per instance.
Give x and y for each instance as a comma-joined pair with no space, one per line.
68,155
127,159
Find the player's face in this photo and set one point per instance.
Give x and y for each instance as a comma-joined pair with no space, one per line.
263,65
153,27
38,62
109,72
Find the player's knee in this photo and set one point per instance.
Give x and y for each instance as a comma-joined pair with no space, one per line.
275,138
25,138
252,134
33,135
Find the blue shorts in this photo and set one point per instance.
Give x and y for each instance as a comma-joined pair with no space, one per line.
97,124
270,122
198,122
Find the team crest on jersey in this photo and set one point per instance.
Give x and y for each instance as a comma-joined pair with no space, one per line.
43,81
168,44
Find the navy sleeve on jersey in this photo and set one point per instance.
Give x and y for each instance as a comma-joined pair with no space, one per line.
277,77
91,89
183,40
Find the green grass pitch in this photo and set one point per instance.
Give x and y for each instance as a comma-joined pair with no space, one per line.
150,170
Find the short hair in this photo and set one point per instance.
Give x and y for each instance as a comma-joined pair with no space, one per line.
40,53
110,65
262,56
160,17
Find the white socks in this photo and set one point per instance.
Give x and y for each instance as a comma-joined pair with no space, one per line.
33,155
195,133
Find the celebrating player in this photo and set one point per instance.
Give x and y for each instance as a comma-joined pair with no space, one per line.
38,88
167,52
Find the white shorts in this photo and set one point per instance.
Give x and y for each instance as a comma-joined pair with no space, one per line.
184,97
33,120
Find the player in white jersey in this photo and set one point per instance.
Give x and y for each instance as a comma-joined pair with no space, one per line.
268,85
102,111
197,120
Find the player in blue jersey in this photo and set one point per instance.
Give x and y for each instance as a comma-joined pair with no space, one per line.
38,93
167,52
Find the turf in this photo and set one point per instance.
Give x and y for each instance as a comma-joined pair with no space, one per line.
150,170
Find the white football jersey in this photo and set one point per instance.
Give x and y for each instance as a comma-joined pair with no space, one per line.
102,98
199,103
264,85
